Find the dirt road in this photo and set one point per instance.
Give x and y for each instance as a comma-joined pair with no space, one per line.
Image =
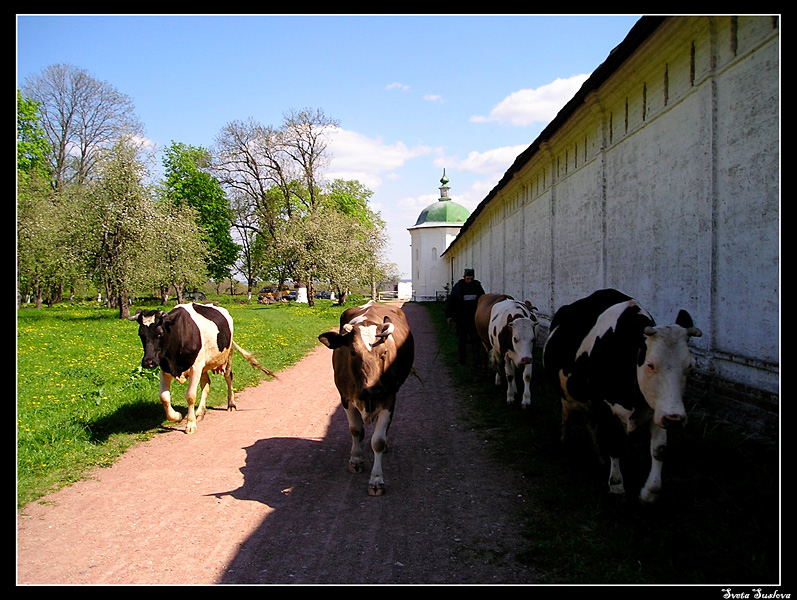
263,496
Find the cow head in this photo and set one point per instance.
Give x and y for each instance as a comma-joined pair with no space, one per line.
524,334
153,325
662,368
370,352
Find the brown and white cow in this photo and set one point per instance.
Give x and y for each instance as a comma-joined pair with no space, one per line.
609,360
187,343
508,331
373,353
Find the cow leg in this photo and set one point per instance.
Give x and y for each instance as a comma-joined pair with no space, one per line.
568,404
376,486
658,444
494,363
230,394
613,438
485,357
190,398
511,384
357,432
204,386
166,398
526,386
564,428
616,485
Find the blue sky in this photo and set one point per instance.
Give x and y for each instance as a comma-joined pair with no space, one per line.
414,94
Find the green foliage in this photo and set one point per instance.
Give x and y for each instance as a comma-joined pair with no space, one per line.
83,398
32,145
118,222
182,262
350,197
187,182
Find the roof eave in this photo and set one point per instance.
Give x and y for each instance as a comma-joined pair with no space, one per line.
641,31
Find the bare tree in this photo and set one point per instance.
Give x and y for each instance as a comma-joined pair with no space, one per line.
305,141
249,160
80,116
278,174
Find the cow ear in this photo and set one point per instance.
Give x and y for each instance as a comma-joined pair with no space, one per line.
642,351
684,319
387,328
332,339
167,320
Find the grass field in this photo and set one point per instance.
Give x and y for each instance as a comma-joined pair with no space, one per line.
82,397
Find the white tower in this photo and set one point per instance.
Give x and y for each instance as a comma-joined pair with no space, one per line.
436,227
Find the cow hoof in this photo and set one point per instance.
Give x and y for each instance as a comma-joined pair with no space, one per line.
231,407
173,416
190,430
376,489
356,467
648,497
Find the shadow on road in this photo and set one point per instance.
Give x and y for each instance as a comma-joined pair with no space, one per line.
446,516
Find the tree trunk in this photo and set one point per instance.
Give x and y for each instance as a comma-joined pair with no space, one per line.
310,293
124,305
179,291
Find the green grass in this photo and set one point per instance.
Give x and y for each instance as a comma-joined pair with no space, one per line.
83,399
717,521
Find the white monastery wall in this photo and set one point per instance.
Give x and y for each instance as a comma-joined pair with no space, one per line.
663,183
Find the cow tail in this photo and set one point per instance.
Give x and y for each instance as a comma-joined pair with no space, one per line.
253,361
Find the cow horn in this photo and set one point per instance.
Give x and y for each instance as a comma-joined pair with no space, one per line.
649,331
348,328
387,330
693,332
135,316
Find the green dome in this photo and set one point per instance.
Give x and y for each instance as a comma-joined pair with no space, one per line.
443,211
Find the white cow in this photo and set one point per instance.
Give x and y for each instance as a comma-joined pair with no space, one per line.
508,330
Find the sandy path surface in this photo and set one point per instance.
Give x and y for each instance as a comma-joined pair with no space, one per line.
263,496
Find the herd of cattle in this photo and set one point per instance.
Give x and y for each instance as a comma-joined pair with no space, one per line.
604,355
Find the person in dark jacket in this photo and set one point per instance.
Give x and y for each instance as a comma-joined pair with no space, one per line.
461,309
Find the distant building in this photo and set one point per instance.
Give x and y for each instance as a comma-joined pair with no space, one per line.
437,226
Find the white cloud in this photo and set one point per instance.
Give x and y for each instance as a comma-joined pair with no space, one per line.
397,86
539,105
413,206
369,160
433,98
492,162
489,166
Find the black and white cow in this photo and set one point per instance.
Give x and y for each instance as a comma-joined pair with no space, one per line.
508,331
373,353
187,343
607,358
